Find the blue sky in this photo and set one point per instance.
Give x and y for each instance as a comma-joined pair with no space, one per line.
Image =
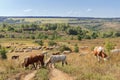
79,8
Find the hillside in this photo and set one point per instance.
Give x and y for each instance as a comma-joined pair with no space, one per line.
86,22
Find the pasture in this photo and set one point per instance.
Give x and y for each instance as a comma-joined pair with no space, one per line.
81,65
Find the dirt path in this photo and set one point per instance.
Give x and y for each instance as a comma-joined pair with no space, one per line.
56,74
24,76
30,75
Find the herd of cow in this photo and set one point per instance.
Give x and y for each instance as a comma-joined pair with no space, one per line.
38,60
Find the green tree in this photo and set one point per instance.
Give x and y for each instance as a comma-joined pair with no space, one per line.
116,34
94,35
72,31
10,28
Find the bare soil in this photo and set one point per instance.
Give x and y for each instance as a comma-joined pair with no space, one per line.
56,74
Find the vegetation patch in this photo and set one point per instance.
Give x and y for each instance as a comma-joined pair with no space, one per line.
42,74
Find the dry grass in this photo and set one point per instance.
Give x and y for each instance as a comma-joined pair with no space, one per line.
87,68
83,67
8,68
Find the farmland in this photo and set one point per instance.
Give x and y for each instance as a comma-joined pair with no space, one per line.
18,35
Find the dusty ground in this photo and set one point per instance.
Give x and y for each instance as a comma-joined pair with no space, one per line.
23,76
30,76
56,74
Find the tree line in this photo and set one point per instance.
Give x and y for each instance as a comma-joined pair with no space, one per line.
52,31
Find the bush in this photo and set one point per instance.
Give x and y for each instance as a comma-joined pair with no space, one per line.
71,31
40,42
76,48
94,35
3,53
109,46
51,43
32,37
87,37
2,36
64,47
41,74
79,37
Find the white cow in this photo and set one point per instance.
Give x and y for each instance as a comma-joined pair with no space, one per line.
56,58
115,51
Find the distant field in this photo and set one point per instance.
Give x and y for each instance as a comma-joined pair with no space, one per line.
96,24
44,20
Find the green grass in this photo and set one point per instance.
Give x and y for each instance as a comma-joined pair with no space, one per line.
42,74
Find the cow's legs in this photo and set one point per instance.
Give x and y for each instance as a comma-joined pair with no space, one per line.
34,65
66,62
98,56
63,63
52,65
42,63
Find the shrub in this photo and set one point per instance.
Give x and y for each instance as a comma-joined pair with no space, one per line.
41,74
87,37
76,48
94,35
40,42
3,53
109,45
71,31
32,37
79,37
64,47
51,43
2,36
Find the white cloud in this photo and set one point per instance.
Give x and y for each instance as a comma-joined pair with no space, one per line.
27,10
73,13
89,10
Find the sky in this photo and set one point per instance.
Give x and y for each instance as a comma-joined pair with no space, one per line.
72,8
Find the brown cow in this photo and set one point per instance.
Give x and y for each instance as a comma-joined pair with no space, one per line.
99,53
33,59
57,53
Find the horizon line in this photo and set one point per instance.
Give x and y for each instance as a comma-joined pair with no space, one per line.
55,17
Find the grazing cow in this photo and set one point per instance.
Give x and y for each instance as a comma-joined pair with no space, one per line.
57,53
33,59
66,52
84,47
49,48
99,53
15,57
115,51
56,58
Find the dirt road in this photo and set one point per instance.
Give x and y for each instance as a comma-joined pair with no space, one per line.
23,76
56,74
30,75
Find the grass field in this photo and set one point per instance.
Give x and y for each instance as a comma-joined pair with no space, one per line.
83,67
